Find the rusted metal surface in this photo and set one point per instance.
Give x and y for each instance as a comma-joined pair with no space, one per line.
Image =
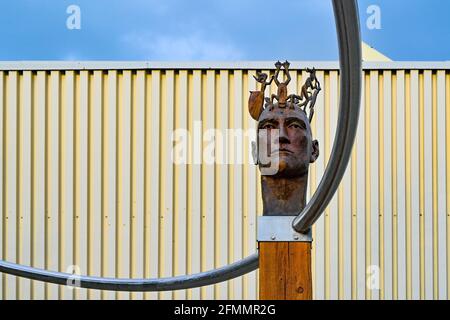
284,134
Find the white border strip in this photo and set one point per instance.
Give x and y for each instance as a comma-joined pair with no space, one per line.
219,65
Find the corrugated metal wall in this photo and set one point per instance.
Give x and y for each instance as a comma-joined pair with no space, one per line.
87,179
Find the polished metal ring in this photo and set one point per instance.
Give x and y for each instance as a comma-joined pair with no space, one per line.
347,26
349,38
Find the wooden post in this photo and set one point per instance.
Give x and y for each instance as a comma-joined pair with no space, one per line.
285,271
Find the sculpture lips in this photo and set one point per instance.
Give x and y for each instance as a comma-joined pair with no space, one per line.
282,150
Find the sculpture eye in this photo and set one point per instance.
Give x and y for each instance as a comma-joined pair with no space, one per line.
268,126
296,125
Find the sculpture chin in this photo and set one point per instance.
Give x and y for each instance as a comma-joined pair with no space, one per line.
288,169
282,166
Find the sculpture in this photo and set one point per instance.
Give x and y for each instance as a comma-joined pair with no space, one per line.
284,132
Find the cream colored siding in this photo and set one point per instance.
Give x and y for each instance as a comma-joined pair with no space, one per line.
87,179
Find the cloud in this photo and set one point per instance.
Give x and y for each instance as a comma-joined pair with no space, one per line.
193,46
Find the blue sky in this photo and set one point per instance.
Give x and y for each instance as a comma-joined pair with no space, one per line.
226,30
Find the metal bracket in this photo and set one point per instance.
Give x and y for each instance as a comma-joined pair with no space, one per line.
279,228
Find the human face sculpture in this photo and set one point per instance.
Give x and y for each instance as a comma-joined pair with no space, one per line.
285,134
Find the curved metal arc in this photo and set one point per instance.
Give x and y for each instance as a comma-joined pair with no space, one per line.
161,284
350,57
347,26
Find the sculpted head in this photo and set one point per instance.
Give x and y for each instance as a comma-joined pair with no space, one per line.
286,134
285,147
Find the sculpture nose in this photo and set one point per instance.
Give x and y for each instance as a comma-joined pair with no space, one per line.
284,138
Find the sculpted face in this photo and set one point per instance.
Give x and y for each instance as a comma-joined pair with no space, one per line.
293,148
